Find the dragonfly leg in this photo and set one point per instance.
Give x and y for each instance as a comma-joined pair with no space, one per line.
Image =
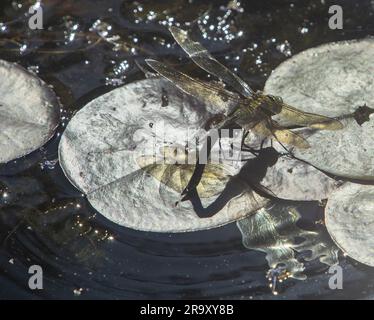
245,147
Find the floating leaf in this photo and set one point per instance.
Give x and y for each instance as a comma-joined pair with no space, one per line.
334,80
100,150
29,112
293,179
349,220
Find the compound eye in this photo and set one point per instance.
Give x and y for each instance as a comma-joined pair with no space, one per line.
279,99
276,99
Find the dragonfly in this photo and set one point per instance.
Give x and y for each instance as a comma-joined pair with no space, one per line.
249,109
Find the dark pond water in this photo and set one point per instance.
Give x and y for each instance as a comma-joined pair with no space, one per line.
39,218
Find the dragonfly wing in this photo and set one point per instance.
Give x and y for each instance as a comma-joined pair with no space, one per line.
167,174
271,129
212,95
176,177
291,138
213,180
307,119
206,61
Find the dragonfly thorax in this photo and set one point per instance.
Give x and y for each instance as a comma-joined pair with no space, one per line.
269,104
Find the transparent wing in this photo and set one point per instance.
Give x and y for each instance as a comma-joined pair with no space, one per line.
311,120
168,174
177,177
213,180
204,60
273,130
291,138
209,93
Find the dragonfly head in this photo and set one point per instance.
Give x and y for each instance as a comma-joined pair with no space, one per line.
273,104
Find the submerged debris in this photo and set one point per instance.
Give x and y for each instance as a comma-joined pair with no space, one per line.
274,231
277,275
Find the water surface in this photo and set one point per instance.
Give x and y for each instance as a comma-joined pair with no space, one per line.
89,47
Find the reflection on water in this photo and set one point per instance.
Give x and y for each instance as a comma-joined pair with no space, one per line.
85,49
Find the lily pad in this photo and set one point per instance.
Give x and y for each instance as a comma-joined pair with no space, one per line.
333,80
292,179
101,147
29,112
349,220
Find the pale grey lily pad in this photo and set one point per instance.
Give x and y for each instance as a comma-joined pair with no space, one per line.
350,221
293,179
333,80
101,145
29,112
